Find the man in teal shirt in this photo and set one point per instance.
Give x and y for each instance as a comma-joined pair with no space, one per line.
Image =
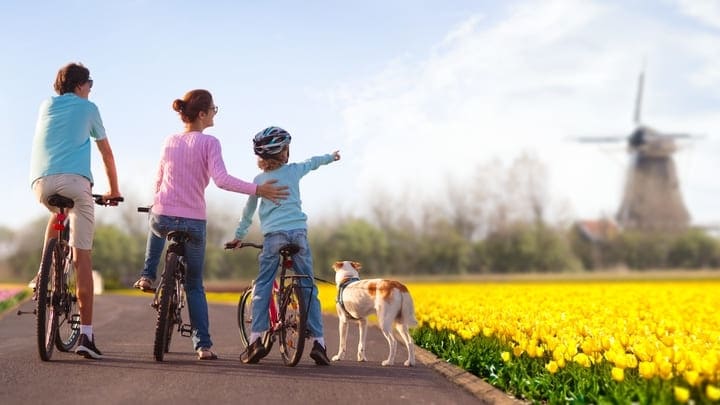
60,164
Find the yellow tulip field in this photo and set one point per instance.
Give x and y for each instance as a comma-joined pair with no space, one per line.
666,332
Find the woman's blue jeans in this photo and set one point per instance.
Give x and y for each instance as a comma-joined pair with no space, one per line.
269,261
160,226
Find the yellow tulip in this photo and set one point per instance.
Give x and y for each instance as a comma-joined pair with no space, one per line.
552,367
692,377
712,392
681,394
617,374
505,356
646,369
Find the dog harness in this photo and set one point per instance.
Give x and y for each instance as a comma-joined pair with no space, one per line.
339,299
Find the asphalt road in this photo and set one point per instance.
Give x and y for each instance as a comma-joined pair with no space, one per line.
124,330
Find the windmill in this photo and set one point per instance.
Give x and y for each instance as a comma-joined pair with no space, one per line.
652,200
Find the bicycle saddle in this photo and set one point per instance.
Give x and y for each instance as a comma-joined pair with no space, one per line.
56,200
289,250
178,236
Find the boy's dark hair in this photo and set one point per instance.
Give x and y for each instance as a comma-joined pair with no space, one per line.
69,77
192,104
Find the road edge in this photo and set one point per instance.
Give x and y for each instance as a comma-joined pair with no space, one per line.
482,390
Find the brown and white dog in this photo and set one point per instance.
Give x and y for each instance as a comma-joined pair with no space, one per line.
357,299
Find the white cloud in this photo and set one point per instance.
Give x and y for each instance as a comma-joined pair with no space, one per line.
707,11
496,88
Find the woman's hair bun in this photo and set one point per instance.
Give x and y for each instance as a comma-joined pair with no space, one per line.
178,105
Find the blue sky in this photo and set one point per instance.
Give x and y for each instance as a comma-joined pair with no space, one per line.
415,94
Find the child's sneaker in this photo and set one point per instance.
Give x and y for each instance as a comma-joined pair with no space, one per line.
318,354
86,347
254,353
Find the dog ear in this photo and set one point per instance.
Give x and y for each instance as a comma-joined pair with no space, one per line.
356,265
337,266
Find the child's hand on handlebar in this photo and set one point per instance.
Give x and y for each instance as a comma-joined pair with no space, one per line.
233,244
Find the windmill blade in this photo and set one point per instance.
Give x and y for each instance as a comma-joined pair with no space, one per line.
680,135
600,138
638,97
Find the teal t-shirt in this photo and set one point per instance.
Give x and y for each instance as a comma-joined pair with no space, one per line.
287,215
61,144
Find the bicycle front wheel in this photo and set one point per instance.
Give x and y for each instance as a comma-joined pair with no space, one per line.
166,298
68,313
46,314
244,316
293,315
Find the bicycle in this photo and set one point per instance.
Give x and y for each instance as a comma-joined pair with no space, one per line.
170,299
288,313
57,314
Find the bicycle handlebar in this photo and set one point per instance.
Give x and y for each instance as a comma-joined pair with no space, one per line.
110,201
242,245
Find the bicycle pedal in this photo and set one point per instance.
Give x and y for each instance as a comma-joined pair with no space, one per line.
75,322
185,330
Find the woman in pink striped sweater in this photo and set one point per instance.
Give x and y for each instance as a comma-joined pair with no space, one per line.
189,160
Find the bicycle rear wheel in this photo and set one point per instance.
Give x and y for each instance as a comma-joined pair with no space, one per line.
167,296
46,314
293,315
68,313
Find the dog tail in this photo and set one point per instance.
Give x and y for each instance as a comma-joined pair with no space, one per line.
407,309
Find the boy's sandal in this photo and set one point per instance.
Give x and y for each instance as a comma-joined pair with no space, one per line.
206,354
143,284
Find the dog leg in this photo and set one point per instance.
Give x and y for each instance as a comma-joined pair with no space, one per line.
343,330
386,328
362,329
409,345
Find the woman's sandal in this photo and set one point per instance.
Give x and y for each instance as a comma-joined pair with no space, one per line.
144,284
206,354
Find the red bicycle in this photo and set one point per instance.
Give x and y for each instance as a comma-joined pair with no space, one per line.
288,313
58,317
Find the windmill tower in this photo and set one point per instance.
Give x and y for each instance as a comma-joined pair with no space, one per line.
652,200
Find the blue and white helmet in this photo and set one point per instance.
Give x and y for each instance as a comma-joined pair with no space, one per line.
270,141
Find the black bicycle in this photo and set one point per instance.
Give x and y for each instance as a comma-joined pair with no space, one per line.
57,314
288,312
169,299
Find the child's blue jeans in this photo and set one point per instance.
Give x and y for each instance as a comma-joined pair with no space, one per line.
303,264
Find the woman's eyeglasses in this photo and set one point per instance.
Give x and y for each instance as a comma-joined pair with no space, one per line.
90,81
215,109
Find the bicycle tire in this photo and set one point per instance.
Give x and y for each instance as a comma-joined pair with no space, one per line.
173,319
244,316
68,329
293,315
164,320
46,315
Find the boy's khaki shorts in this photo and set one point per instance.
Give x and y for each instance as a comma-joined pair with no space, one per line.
82,215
